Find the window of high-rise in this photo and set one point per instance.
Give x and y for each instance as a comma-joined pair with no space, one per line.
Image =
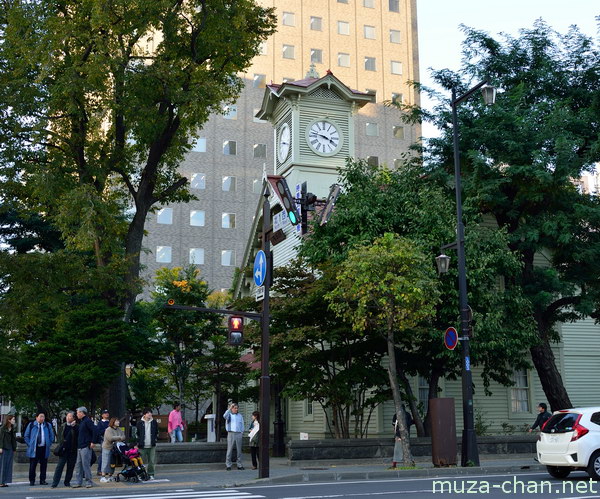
230,112
343,28
370,64
259,151
163,254
394,5
228,184
369,32
398,132
396,68
164,216
394,36
229,147
344,60
197,218
316,56
372,129
198,181
288,52
288,19
199,145
316,23
196,256
259,81
228,220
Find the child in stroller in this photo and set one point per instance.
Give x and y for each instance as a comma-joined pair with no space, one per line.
133,469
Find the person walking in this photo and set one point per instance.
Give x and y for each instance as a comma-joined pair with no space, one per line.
66,450
254,438
100,429
234,424
147,433
175,426
8,447
85,445
542,417
38,437
112,434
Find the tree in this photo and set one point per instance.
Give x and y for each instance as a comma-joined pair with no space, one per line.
520,161
388,286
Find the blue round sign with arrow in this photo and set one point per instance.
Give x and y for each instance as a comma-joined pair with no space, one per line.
450,338
260,268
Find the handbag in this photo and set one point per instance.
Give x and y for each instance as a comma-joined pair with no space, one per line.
59,451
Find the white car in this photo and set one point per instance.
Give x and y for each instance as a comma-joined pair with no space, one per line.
570,441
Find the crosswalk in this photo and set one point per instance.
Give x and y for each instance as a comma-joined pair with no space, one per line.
176,494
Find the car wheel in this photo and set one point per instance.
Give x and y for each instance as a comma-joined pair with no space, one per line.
559,471
593,468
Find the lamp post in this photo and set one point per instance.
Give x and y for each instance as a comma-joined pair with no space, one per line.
469,452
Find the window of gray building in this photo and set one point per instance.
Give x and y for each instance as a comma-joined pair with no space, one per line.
256,186
343,28
230,112
369,32
198,181
199,145
229,147
259,81
197,218
372,129
228,220
394,36
344,60
197,256
369,4
288,51
394,5
228,184
398,132
397,98
370,64
164,216
163,254
260,151
316,56
288,19
373,160
316,23
228,258
396,67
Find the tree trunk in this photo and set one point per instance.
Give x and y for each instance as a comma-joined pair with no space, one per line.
414,411
432,394
550,378
407,459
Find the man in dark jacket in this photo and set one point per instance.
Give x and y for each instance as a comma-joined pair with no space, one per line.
147,433
66,450
542,417
85,444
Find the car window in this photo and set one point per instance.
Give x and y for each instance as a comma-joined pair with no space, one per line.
561,423
595,418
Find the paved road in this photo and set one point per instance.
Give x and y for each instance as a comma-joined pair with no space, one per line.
498,486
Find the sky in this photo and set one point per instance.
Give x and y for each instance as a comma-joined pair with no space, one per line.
440,37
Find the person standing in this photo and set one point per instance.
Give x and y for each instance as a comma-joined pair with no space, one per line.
112,434
542,417
147,433
38,438
234,424
254,438
67,450
85,445
100,429
175,426
8,447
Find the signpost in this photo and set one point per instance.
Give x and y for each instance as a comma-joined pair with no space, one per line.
450,338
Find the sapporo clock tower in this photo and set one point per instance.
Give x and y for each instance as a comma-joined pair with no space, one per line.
313,122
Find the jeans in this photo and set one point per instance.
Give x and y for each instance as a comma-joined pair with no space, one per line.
70,462
176,435
40,457
148,455
234,438
83,466
6,466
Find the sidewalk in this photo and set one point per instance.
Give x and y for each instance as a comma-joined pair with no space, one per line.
282,471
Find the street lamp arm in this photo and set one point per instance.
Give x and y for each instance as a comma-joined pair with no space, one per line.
457,100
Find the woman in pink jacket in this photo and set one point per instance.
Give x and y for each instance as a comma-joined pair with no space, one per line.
175,426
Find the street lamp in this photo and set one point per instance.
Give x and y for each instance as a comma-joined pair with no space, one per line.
469,452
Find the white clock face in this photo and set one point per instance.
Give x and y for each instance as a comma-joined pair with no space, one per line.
285,140
324,137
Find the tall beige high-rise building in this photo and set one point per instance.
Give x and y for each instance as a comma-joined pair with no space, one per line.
367,44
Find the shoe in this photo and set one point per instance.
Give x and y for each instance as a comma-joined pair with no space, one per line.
104,479
254,467
31,484
99,473
240,468
67,484
151,477
44,483
75,486
89,485
3,485
53,486
228,468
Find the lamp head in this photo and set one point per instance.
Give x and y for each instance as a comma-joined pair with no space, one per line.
443,263
489,94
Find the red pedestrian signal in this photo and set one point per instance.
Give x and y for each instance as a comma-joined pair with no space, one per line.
236,330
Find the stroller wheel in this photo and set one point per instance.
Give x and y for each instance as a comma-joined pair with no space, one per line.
135,479
117,479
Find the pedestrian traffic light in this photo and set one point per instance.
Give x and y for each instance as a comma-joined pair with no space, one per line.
236,330
285,197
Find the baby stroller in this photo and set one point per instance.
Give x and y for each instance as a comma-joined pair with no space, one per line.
133,467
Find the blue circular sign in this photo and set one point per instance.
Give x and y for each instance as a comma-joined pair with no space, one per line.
260,268
450,338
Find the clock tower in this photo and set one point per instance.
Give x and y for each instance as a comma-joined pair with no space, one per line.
313,122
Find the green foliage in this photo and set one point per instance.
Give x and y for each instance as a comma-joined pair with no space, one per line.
148,387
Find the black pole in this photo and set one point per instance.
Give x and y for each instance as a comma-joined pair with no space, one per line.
265,380
278,424
469,452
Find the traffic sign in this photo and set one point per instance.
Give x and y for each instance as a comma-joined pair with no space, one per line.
260,268
450,338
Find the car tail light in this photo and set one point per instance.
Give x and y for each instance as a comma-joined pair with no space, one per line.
544,424
578,430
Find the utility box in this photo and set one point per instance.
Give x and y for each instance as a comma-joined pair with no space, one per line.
443,432
211,433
